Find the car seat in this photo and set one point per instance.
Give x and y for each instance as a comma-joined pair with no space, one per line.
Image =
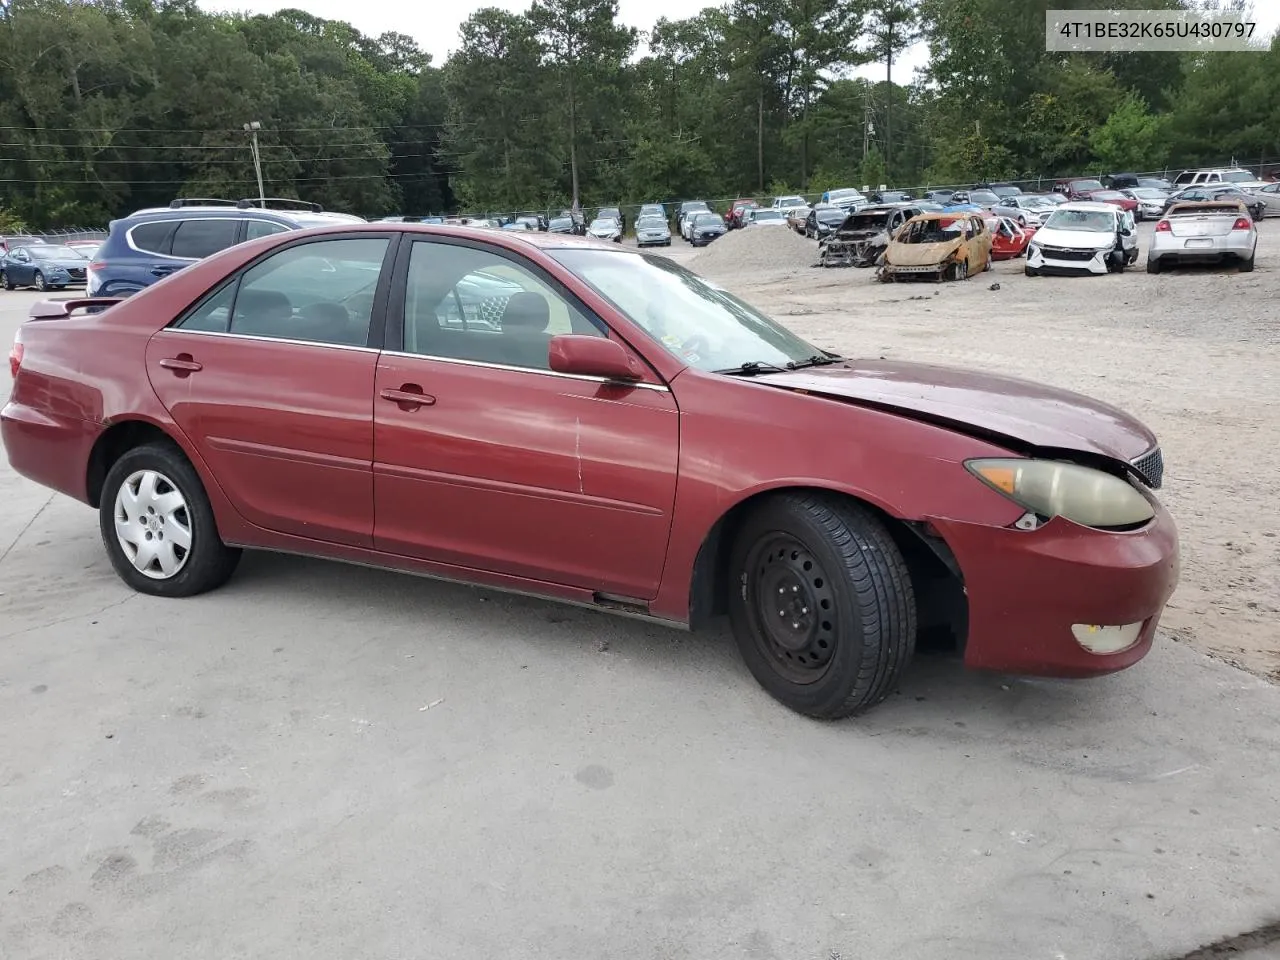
524,340
263,313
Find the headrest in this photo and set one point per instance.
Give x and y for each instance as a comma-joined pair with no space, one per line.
262,301
528,312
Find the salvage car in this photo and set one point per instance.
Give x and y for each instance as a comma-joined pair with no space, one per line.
937,246
672,459
44,266
1209,193
1083,236
652,231
703,228
863,236
1029,209
739,213
606,228
1270,197
1212,231
823,219
765,218
1009,238
1150,202
847,199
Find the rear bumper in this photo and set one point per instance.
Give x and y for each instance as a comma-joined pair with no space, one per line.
51,450
1026,589
1239,243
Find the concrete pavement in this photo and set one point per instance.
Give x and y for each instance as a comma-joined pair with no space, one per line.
321,761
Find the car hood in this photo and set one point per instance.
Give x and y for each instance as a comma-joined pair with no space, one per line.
922,254
1074,239
1010,409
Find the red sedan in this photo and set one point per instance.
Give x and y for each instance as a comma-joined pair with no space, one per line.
561,417
1009,238
1116,198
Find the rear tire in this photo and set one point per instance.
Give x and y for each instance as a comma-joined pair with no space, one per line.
1246,266
822,605
1153,266
4,279
150,493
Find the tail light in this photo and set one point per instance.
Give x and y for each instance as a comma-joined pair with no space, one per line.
1163,227
15,357
1242,223
97,265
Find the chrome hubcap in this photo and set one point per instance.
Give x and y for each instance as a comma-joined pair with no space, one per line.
153,524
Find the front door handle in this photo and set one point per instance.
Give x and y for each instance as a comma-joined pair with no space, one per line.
182,365
409,397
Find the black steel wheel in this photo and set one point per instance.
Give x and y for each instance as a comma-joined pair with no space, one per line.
823,609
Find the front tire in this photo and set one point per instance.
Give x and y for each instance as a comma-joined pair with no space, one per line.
1153,265
38,281
822,606
158,526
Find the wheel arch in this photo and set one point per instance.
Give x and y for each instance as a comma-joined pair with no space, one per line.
934,570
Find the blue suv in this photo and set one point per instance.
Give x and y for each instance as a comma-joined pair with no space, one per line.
151,244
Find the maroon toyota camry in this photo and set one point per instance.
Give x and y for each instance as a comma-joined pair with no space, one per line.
565,418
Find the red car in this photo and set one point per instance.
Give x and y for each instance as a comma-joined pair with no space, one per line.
1009,238
1115,197
561,417
1078,189
738,210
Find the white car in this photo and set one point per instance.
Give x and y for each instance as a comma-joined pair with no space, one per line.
1150,201
606,228
767,218
1214,231
1028,209
1083,235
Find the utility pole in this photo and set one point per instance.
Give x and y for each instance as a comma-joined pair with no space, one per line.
252,128
866,123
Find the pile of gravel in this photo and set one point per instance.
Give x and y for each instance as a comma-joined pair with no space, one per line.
754,250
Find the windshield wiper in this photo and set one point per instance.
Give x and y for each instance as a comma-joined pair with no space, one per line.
817,360
751,368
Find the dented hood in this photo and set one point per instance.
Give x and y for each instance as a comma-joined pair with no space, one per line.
922,254
1030,414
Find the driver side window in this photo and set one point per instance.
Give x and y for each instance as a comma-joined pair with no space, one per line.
462,303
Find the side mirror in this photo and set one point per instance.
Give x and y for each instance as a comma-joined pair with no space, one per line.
592,357
1126,232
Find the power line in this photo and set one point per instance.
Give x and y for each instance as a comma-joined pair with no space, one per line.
128,183
106,161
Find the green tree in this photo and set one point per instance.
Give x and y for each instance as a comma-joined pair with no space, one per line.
1131,138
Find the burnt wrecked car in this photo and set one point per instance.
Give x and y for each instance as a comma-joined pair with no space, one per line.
863,236
937,246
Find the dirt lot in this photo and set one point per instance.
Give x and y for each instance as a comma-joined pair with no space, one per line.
1193,353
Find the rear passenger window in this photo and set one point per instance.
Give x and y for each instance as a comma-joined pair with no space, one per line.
154,237
213,315
197,239
262,228
320,292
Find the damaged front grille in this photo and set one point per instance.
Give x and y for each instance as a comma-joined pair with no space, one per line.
1150,466
1067,253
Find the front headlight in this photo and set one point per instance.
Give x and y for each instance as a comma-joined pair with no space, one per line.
1051,488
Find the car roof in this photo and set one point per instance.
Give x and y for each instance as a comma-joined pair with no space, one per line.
1090,206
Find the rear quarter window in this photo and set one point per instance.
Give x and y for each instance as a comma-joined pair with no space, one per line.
154,237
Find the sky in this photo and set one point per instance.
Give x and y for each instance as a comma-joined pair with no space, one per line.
434,24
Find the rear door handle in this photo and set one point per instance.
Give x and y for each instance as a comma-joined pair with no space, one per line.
163,271
181,364
409,396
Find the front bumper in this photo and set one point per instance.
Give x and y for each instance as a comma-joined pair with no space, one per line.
1067,262
1027,589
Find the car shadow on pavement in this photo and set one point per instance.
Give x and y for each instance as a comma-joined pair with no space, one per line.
937,696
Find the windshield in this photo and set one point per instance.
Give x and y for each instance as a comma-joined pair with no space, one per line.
1238,176
846,194
1147,193
932,230
1080,186
1006,191
56,252
560,223
983,196
830,214
707,220
1093,221
694,319
604,224
696,208
768,215
869,221
651,222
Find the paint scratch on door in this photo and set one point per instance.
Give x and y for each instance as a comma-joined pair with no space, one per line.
577,450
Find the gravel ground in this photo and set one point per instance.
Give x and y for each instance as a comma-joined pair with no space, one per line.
1193,353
